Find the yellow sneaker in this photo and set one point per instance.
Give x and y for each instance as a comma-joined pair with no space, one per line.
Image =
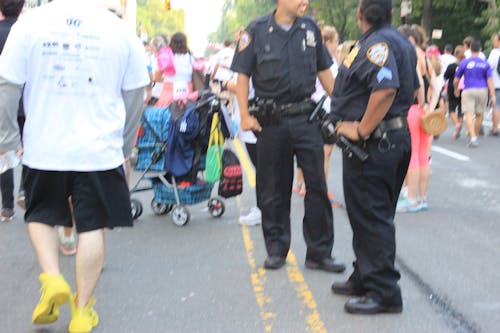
83,320
55,291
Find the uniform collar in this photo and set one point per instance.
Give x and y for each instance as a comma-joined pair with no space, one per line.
372,30
273,26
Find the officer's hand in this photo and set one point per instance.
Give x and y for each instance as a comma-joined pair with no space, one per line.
250,123
349,129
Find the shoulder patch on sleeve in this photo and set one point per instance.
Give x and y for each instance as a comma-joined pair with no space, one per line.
351,56
378,54
245,40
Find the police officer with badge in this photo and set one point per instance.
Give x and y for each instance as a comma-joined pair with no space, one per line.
283,53
373,92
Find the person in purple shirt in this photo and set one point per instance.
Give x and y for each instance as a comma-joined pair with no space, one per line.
477,82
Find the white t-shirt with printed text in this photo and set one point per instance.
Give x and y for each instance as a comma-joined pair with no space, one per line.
75,58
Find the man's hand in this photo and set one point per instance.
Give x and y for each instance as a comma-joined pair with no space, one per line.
349,129
250,123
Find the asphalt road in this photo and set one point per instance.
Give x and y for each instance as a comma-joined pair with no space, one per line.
207,276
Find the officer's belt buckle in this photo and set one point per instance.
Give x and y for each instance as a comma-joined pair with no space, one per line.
387,125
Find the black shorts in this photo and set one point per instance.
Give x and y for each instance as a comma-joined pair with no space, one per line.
100,198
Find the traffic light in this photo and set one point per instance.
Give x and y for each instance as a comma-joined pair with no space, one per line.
167,5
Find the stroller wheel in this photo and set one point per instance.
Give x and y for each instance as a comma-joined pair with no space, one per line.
180,216
216,207
136,208
160,208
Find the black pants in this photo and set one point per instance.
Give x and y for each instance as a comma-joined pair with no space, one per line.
276,146
7,178
371,191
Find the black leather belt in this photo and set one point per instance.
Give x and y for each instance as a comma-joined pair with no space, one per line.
294,109
387,125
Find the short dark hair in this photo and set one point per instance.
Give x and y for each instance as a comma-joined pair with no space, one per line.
475,45
11,8
228,43
448,48
376,12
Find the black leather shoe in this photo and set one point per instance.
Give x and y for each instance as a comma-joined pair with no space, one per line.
368,305
348,288
327,264
274,262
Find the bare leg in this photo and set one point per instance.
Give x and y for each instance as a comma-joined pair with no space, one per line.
479,122
412,182
45,243
494,120
300,177
470,125
425,172
328,152
89,261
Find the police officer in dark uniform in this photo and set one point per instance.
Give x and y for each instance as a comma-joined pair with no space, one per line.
283,53
373,92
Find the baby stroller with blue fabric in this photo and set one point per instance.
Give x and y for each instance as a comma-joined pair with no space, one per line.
172,142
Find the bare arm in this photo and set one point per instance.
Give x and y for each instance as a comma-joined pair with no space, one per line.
378,105
434,90
247,121
491,88
327,80
10,94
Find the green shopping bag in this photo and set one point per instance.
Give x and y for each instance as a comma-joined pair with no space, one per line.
213,164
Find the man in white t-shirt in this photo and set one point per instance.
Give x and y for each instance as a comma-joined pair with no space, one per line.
493,60
84,77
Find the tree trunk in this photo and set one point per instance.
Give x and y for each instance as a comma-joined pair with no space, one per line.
427,16
492,18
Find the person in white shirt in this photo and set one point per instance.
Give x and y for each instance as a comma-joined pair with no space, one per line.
466,43
493,60
84,85
223,60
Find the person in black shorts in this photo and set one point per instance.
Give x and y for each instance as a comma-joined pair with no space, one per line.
455,102
84,84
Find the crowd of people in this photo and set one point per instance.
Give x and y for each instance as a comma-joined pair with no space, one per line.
377,90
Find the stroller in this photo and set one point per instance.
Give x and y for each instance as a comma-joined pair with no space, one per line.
173,191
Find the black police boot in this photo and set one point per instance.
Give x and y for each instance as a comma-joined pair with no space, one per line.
326,264
369,305
274,262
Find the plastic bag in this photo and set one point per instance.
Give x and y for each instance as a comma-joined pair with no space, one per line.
213,162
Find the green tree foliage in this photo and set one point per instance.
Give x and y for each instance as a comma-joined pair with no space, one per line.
339,13
152,15
457,18
237,14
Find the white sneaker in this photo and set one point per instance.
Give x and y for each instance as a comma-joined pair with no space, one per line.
253,218
67,245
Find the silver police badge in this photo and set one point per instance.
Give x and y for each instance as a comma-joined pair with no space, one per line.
378,54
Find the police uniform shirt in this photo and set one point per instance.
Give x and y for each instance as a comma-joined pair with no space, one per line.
283,63
373,65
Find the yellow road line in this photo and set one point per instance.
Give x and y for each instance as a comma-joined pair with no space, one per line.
258,275
313,318
258,278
